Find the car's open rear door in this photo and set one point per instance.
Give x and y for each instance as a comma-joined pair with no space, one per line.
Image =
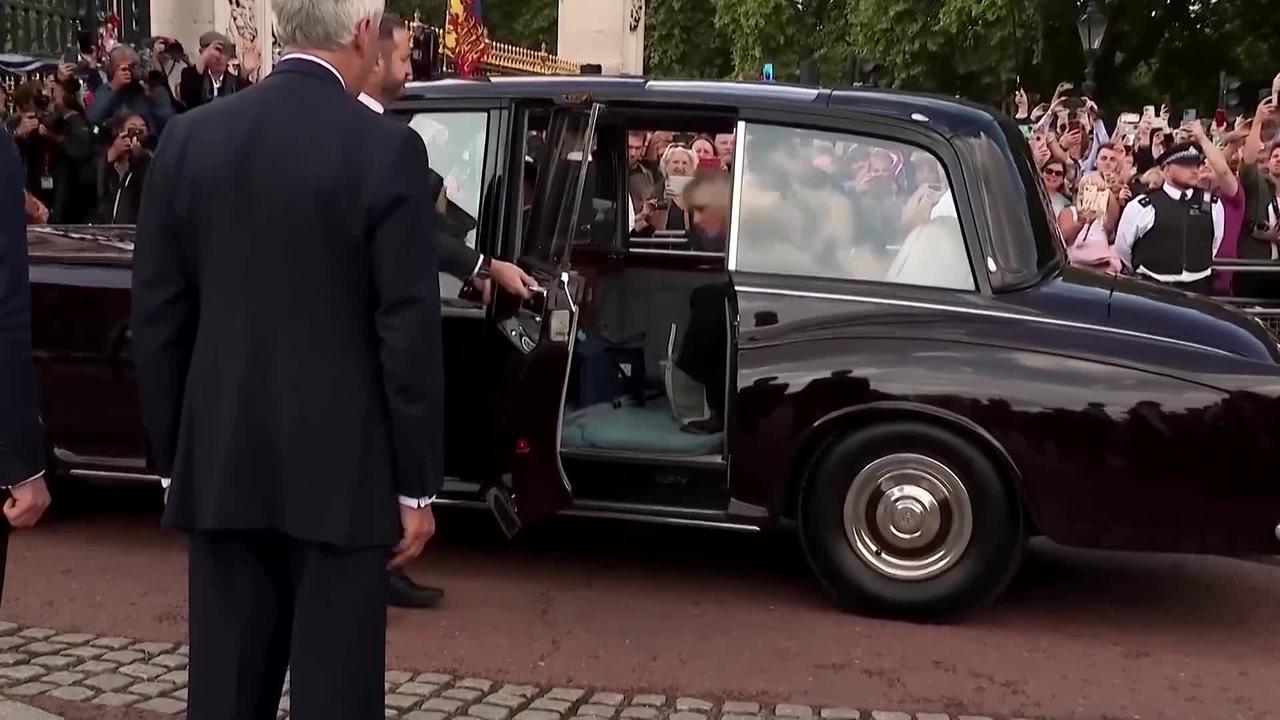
538,334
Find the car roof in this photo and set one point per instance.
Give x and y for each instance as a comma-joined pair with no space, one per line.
944,114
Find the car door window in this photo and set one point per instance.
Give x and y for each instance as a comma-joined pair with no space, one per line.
566,156
455,144
835,205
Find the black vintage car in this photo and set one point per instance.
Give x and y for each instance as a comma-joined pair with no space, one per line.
911,375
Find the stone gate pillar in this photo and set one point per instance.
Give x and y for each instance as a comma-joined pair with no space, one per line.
247,22
607,32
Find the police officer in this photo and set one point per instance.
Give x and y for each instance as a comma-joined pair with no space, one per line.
1171,234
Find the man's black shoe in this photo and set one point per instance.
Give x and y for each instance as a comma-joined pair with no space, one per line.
406,593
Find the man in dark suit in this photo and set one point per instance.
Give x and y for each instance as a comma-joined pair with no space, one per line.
287,337
385,85
21,451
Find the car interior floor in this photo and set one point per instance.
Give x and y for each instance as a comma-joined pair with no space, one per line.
625,392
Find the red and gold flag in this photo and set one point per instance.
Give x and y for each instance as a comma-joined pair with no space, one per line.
465,40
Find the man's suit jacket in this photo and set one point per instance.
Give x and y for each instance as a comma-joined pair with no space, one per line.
456,257
21,450
286,320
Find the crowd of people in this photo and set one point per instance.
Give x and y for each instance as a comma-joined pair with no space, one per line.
679,184
86,132
1162,199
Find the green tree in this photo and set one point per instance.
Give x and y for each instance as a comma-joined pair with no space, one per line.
681,40
527,23
785,33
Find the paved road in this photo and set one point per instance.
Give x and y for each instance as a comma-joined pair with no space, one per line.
627,607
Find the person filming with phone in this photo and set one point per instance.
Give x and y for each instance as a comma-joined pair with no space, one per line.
123,170
126,92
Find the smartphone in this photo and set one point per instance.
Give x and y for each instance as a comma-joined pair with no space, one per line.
1188,116
1220,117
1073,125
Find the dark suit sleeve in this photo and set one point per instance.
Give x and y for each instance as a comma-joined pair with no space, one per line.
165,304
406,283
456,258
21,448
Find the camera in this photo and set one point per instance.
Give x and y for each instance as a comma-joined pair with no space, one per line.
173,49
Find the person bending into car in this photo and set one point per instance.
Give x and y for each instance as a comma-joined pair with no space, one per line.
385,85
702,352
122,171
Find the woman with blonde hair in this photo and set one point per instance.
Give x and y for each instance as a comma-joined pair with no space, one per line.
1089,225
678,166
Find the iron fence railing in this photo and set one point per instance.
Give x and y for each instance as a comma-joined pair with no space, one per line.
39,28
46,29
1267,310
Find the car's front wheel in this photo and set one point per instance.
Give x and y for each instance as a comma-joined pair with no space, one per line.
908,519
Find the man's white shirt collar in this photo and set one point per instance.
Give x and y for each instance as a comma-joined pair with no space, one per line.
1174,192
371,103
318,61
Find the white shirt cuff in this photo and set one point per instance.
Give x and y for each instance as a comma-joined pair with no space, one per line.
33,478
165,482
476,269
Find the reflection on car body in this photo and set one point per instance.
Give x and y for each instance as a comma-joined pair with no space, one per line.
910,374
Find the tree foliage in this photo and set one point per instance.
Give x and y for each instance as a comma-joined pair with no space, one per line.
681,40
974,48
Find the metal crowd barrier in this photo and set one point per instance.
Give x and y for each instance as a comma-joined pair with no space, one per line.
1265,309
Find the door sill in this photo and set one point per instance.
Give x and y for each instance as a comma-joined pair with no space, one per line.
123,465
710,462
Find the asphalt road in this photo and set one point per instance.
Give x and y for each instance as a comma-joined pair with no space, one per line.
621,606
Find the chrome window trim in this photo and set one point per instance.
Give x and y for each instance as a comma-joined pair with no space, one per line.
676,253
739,155
978,312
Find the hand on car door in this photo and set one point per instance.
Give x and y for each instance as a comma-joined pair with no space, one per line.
511,278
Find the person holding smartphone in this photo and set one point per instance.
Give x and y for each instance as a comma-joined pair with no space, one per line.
1260,227
123,170
1088,225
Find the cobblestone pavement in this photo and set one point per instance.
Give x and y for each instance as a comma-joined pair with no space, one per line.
119,671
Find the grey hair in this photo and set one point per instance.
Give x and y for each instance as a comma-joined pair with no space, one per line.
121,54
323,24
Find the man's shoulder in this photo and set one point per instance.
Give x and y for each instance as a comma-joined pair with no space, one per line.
1144,200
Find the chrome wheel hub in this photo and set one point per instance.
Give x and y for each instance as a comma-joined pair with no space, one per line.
908,517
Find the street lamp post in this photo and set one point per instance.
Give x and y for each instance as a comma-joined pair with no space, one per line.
1092,26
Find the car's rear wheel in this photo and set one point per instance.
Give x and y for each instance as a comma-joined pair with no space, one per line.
908,519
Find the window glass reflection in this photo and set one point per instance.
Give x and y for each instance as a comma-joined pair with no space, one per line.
831,205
